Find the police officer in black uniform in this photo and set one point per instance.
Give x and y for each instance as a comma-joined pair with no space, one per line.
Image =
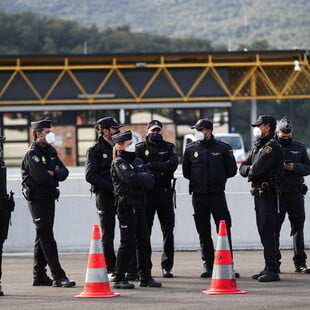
6,207
208,163
131,180
160,157
263,168
42,170
97,173
292,190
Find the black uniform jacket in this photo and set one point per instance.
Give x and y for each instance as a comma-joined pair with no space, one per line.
297,153
3,190
207,165
265,163
161,159
98,165
4,210
37,161
131,178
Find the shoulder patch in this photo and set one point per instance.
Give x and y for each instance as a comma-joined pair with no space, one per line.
36,158
215,153
268,149
295,152
141,143
123,167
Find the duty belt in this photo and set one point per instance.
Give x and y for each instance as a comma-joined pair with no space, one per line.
263,187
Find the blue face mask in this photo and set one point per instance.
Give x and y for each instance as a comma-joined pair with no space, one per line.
155,137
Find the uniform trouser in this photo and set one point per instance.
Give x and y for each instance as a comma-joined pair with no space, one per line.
293,204
266,206
134,237
162,203
107,213
4,227
45,247
204,205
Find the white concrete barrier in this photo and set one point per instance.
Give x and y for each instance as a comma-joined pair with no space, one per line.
76,213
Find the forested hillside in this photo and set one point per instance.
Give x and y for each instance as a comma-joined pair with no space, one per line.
284,24
29,33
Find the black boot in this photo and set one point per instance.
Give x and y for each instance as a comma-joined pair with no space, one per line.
124,285
167,273
206,274
149,282
257,275
1,292
42,281
269,277
302,269
64,282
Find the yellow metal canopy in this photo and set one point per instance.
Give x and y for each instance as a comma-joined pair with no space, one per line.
269,75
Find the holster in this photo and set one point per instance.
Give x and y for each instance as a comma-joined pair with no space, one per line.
57,194
304,189
27,189
254,191
11,201
27,192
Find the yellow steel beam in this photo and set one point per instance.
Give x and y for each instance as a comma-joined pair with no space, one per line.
255,76
8,83
173,83
126,84
148,85
197,81
56,82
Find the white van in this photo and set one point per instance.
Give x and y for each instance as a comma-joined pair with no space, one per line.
233,139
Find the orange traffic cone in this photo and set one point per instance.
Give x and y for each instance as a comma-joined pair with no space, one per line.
223,275
96,282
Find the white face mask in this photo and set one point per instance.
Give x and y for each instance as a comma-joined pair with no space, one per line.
131,148
257,132
199,135
50,138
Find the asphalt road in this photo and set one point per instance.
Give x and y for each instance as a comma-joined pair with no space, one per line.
184,291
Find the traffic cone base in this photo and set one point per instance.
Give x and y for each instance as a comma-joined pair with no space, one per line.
97,290
223,275
97,283
223,287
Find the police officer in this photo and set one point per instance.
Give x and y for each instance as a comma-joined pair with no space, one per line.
263,168
97,173
292,190
207,163
42,170
5,211
159,155
131,179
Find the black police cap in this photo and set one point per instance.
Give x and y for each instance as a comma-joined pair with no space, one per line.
122,136
266,120
154,124
203,123
285,125
44,123
108,122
